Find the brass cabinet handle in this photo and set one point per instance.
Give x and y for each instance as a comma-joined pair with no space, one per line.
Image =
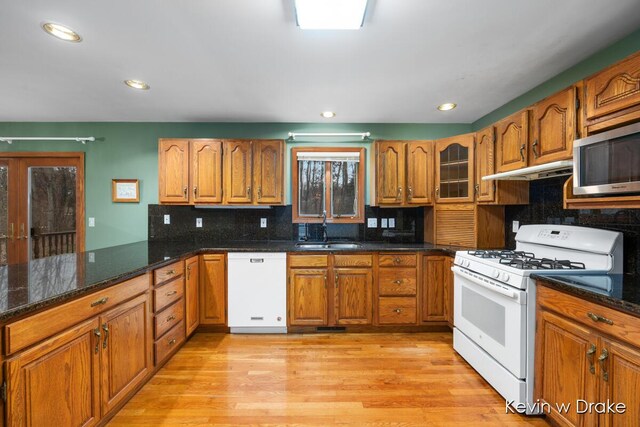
170,318
535,149
171,293
437,191
185,191
522,152
101,301
410,193
598,318
188,272
590,353
259,192
325,281
105,328
399,195
11,232
195,191
22,235
172,342
396,260
248,192
477,187
336,280
97,334
171,272
397,282
398,310
602,359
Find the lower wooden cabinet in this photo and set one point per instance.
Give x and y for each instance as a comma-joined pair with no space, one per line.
191,295
213,294
397,288
353,296
580,361
437,289
307,294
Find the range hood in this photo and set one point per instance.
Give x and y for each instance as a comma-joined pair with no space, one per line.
548,170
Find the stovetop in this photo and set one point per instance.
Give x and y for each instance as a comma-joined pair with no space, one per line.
527,260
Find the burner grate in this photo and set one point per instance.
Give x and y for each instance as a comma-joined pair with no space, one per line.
531,263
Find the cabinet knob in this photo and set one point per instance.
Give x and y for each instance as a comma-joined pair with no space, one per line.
171,272
398,310
171,293
172,342
397,260
170,318
397,282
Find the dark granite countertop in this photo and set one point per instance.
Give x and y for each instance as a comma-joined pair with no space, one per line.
618,291
25,288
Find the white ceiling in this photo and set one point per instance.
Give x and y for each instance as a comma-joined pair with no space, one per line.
246,61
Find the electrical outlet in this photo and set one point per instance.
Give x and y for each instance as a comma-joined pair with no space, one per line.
392,223
263,222
383,223
167,219
515,225
372,222
198,222
92,221
92,257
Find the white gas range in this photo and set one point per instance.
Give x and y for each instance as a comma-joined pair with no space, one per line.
494,298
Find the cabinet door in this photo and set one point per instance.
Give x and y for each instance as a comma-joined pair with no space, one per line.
622,384
448,291
485,140
213,294
433,284
512,136
307,297
566,359
237,171
390,172
126,350
268,167
173,170
206,171
353,296
419,172
554,127
56,383
454,165
613,89
191,297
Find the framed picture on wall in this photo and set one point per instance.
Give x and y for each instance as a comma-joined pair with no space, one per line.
125,191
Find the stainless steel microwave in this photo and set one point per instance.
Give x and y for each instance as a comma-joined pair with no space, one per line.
608,163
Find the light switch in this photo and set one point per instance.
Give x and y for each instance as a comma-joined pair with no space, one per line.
372,222
515,225
198,222
383,223
263,222
167,219
92,221
392,223
92,257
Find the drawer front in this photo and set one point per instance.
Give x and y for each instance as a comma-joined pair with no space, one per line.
397,260
167,318
397,311
308,260
622,326
169,342
35,328
168,272
353,260
397,281
167,294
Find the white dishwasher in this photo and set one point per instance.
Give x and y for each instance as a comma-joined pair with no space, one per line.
257,292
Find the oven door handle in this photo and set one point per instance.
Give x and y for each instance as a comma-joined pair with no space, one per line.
491,287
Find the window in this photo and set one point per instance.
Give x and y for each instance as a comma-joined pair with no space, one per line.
327,180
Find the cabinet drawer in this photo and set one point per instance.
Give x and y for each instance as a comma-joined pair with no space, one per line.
167,318
352,260
308,260
397,310
168,272
397,281
35,328
169,342
624,327
167,294
397,260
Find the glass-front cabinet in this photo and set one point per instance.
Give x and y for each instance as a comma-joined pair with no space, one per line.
454,169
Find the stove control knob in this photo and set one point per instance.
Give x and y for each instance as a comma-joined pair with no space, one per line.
495,273
505,277
467,263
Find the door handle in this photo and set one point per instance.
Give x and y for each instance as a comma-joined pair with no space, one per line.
105,328
535,149
410,193
248,192
185,191
259,192
97,334
399,195
602,359
195,191
522,152
590,353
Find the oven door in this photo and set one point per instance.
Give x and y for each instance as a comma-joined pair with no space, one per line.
493,315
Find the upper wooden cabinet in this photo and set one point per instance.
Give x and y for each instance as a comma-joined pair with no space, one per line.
485,150
173,170
253,172
612,96
404,173
512,135
206,171
454,164
554,124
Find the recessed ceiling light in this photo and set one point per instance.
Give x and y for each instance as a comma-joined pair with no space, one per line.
330,14
447,106
137,84
328,114
61,31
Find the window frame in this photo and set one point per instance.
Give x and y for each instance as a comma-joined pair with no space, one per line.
359,217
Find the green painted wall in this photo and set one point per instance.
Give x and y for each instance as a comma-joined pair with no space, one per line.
594,63
130,150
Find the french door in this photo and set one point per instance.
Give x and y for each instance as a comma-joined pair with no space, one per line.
41,205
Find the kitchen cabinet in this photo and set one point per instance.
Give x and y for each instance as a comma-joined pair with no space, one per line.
168,309
353,296
191,295
465,224
213,293
589,352
448,291
190,171
454,167
434,305
307,296
397,288
612,96
494,192
404,173
253,172
512,142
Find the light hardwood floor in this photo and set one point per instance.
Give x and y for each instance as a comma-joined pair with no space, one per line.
318,380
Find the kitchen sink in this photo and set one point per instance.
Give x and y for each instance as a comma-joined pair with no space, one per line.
344,245
305,245
329,245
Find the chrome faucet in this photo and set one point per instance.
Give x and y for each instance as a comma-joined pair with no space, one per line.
325,236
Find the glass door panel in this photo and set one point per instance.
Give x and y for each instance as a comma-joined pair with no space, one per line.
52,211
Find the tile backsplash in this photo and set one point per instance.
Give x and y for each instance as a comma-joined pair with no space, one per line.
545,207
238,224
